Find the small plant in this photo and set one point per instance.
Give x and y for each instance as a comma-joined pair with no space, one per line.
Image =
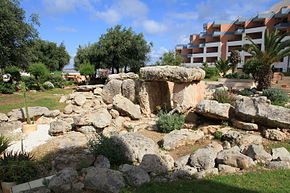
167,123
16,156
223,66
23,87
247,92
223,96
4,143
45,182
211,72
218,135
102,145
225,124
276,95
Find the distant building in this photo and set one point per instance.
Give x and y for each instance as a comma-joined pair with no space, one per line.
73,75
220,37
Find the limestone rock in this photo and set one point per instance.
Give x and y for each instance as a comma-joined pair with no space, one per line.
144,123
134,175
128,89
248,139
80,99
172,73
281,154
111,89
100,118
87,88
87,129
227,169
53,113
63,181
274,134
260,110
126,107
258,153
19,114
59,128
63,99
98,91
103,180
245,126
213,109
279,165
181,137
156,164
203,159
234,159
102,162
204,173
114,113
3,117
68,109
7,128
135,146
182,161
123,76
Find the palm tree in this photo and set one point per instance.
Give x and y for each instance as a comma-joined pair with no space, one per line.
262,60
223,66
234,59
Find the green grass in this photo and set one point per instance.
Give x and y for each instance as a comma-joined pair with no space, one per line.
277,144
47,99
213,78
254,182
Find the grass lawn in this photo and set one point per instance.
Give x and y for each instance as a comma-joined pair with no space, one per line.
47,99
262,181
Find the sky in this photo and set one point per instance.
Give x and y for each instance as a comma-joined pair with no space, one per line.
165,23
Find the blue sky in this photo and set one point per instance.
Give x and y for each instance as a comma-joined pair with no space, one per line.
163,22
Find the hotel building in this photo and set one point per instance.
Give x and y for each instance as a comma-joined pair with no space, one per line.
220,37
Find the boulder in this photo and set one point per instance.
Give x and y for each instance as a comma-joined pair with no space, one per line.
235,159
128,89
114,113
134,175
214,109
98,91
260,110
7,128
279,165
257,152
248,139
19,114
80,99
59,128
126,107
135,146
102,162
63,99
63,181
53,113
87,88
111,89
123,76
68,109
103,180
208,172
227,169
281,154
3,117
172,73
203,158
274,134
87,129
142,124
186,172
156,164
182,161
179,138
245,126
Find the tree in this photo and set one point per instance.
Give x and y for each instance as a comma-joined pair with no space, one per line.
87,70
275,50
223,66
118,48
49,53
234,59
170,58
15,34
38,70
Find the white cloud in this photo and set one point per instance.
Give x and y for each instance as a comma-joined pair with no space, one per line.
153,27
111,16
157,53
65,29
185,15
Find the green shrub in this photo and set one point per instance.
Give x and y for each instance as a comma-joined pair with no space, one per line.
247,92
218,135
57,81
7,87
105,146
276,95
223,96
4,143
167,123
38,70
211,72
30,82
13,71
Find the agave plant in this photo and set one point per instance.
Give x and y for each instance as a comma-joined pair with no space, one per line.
4,143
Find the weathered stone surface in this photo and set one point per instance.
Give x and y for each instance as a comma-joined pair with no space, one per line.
68,109
281,154
111,89
144,123
153,94
98,91
237,138
227,169
52,113
216,146
102,162
80,99
204,173
213,109
203,159
245,126
3,117
182,161
134,175
172,73
87,129
7,128
87,88
114,113
126,107
274,134
279,165
188,95
63,181
19,114
181,137
257,152
103,180
123,76
135,146
261,111
128,89
59,128
63,99
186,172
156,164
234,159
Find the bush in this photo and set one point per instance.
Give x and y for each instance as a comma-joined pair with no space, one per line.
30,82
56,80
218,135
276,95
211,72
223,96
7,87
247,92
14,72
38,70
105,146
4,143
167,123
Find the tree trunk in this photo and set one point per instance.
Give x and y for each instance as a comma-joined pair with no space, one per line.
118,70
264,78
